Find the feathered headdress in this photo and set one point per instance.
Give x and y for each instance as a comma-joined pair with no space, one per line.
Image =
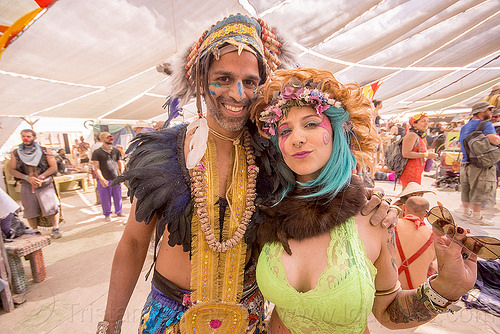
243,33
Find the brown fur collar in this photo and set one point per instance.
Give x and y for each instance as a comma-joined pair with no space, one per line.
296,218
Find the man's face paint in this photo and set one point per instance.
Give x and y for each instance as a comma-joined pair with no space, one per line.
232,82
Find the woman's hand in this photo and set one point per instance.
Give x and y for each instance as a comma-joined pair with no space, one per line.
385,214
456,275
432,155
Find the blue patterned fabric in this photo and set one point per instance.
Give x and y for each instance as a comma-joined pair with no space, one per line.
159,313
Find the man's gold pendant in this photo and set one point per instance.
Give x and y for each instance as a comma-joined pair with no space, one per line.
215,317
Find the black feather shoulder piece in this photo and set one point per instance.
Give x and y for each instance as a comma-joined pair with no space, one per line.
298,218
158,178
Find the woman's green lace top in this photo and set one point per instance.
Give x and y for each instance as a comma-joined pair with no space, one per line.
343,297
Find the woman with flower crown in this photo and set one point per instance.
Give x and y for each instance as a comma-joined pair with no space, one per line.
322,264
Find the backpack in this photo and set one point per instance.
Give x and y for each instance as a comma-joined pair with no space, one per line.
480,152
394,159
401,131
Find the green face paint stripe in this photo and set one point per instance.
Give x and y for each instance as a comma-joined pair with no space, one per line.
215,84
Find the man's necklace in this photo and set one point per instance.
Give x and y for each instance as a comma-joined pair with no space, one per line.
201,200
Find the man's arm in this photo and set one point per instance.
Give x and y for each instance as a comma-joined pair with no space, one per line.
489,131
13,168
34,181
98,172
127,265
121,166
494,139
52,165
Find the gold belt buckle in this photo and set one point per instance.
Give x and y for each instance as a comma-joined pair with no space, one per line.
215,318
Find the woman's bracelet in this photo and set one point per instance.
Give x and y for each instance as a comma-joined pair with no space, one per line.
396,287
426,154
26,178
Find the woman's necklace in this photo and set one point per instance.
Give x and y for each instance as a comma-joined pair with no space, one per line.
200,197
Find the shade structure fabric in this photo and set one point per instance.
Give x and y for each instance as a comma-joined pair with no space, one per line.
97,59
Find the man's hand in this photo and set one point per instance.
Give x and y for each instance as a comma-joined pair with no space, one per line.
385,214
34,181
104,183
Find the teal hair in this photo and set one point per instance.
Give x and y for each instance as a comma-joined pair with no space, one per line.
336,174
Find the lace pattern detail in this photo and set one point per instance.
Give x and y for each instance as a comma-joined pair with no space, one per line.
343,297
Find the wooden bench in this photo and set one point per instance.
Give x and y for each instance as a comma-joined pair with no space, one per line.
28,246
66,182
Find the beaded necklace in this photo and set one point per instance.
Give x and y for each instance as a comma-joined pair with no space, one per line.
200,196
217,267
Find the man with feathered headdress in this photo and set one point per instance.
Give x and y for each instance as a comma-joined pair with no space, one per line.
195,185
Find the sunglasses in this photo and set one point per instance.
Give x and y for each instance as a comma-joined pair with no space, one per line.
487,248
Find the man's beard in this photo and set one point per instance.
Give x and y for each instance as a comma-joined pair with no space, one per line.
28,143
486,117
227,122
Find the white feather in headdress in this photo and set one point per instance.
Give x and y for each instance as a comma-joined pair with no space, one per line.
198,142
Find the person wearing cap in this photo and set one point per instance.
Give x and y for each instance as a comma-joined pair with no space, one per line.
195,185
108,164
34,165
478,185
142,127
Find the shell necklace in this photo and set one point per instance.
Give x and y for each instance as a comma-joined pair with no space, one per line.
200,197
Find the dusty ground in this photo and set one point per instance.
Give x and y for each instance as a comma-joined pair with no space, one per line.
73,297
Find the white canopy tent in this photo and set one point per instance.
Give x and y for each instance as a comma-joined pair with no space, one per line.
97,59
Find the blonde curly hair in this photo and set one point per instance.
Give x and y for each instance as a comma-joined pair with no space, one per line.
364,137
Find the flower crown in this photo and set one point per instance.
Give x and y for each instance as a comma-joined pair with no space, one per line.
290,97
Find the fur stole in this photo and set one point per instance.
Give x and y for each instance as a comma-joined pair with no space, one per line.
298,218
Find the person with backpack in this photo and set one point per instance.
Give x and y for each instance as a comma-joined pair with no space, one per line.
478,183
414,149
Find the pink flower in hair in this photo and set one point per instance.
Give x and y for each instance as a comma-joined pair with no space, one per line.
289,94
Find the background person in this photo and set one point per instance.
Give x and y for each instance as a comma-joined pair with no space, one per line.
95,146
415,244
415,150
34,165
478,185
494,97
108,164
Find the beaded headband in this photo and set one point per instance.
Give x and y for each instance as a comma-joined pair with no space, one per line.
294,97
243,32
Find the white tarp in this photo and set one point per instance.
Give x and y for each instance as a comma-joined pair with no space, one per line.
96,59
